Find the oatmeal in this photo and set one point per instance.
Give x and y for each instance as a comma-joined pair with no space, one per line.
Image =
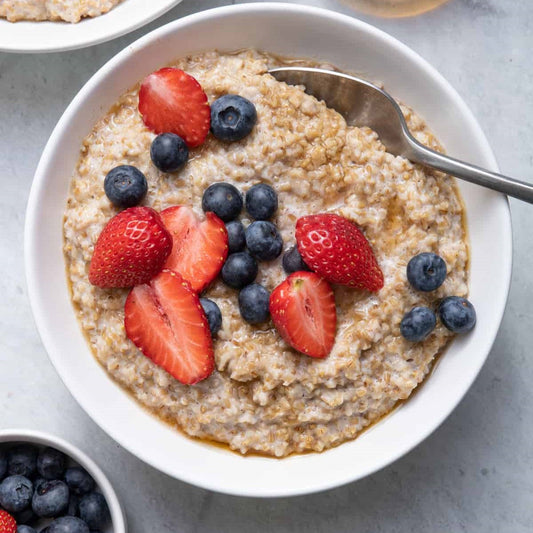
264,396
66,10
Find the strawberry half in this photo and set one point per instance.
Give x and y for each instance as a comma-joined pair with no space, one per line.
7,523
131,249
172,101
199,248
303,311
334,247
166,321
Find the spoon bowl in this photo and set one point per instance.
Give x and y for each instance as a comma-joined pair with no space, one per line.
363,104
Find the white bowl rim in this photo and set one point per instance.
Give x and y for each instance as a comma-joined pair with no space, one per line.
161,33
118,518
58,36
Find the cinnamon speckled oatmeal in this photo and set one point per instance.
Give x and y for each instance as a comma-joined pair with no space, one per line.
66,10
264,396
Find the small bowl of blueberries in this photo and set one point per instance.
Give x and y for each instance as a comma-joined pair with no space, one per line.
49,486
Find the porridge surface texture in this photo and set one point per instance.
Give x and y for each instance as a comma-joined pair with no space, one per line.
264,396
66,10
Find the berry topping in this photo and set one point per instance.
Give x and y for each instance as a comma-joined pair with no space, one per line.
15,493
22,460
94,511
239,270
292,261
67,524
213,314
417,324
3,464
131,249
51,463
232,117
165,320
426,272
223,199
20,528
78,480
333,247
7,523
50,499
263,240
303,311
457,314
169,152
236,239
261,201
254,303
199,248
125,186
172,101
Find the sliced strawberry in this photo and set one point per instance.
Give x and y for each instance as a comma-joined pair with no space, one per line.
131,249
199,248
172,101
334,247
7,523
166,321
303,311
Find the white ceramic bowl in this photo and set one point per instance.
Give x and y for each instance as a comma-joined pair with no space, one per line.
296,31
44,36
118,518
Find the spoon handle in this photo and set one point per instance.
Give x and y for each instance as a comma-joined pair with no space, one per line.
465,171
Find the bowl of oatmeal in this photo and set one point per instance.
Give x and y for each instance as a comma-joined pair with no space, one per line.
30,26
269,421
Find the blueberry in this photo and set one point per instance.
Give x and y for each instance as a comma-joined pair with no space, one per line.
50,499
261,201
68,524
213,314
78,480
293,262
254,302
25,529
73,506
263,240
27,516
94,510
169,152
426,272
239,270
457,314
3,458
223,199
22,460
15,493
418,323
236,240
232,117
125,186
51,463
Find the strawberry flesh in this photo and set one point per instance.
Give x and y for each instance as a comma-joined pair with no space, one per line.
131,249
303,311
7,523
172,101
165,320
200,247
335,248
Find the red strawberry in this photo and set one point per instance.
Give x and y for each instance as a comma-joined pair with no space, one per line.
199,248
165,320
303,311
334,248
7,523
172,101
131,249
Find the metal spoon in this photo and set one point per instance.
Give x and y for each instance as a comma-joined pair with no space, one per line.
363,104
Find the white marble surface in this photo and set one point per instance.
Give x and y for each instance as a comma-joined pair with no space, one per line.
475,473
